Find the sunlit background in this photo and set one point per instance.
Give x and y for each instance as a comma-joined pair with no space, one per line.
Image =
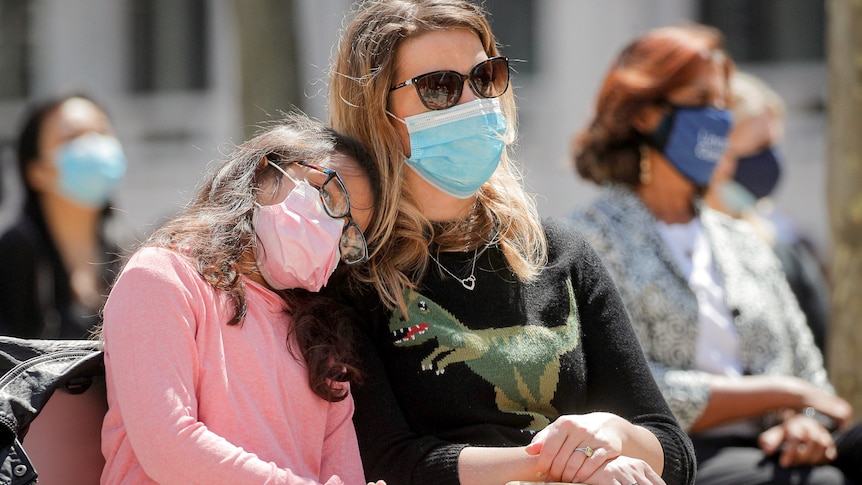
185,79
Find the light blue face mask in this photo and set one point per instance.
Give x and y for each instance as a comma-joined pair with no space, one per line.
457,149
693,140
91,167
736,198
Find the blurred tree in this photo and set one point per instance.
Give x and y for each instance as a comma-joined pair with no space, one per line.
845,195
268,52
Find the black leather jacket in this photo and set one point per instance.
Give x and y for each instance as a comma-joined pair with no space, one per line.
32,370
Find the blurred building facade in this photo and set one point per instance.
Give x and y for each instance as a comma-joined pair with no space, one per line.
171,75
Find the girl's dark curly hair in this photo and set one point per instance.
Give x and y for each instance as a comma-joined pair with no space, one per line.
215,231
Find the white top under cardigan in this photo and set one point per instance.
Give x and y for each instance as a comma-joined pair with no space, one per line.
774,338
718,339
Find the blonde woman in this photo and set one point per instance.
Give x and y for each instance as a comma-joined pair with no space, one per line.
742,185
496,345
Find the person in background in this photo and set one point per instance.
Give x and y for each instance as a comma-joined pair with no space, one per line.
59,258
495,345
718,323
223,364
742,185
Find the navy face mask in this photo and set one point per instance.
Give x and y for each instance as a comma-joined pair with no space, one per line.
759,173
693,140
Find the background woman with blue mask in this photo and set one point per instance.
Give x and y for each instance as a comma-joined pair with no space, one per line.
743,185
720,327
496,346
59,257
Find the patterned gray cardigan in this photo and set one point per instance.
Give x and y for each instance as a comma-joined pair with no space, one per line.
774,338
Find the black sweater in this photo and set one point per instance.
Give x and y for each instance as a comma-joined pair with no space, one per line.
36,297
492,366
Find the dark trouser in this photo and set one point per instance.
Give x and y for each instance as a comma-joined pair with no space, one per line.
738,461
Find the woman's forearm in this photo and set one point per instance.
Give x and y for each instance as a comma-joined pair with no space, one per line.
643,444
735,398
495,466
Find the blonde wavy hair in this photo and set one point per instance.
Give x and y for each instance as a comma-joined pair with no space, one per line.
753,97
362,72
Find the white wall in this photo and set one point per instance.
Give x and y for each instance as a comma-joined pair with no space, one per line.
170,138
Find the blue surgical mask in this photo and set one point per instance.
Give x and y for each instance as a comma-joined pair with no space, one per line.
90,168
736,198
759,173
457,149
693,140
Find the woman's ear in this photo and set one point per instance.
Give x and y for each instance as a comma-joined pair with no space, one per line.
648,118
264,161
40,175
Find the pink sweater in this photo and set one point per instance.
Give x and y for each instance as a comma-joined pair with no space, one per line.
193,400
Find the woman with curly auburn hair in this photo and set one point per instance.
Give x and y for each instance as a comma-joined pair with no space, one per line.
718,323
223,364
495,345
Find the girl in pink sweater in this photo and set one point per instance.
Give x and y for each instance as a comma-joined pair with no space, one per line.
223,364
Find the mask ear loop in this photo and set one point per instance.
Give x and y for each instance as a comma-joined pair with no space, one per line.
393,116
659,137
283,172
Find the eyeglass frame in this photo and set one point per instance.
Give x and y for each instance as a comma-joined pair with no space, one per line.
330,175
464,77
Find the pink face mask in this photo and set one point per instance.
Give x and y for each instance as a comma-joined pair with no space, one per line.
297,243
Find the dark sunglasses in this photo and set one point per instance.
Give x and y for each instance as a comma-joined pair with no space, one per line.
442,89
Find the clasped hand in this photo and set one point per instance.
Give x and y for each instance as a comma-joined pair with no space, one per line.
588,449
800,440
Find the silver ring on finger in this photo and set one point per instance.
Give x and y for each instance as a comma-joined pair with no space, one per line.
585,450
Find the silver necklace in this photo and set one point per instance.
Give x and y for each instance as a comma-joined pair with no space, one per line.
468,282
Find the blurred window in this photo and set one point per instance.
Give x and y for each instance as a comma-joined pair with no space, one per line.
769,30
169,45
512,22
14,49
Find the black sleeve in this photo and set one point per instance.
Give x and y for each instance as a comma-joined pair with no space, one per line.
19,308
390,450
808,283
618,376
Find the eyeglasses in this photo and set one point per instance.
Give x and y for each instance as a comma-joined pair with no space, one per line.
336,203
442,89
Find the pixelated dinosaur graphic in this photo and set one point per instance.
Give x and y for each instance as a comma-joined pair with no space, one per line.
521,362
